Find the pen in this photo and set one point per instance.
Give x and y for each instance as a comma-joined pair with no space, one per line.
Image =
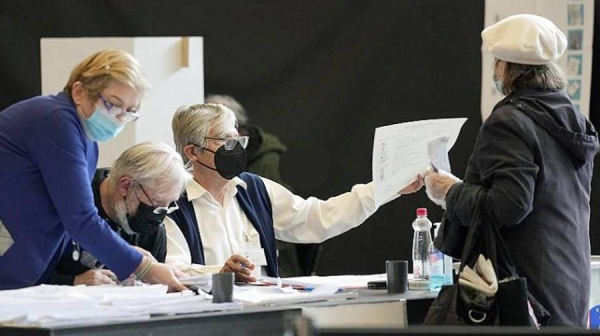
310,288
193,288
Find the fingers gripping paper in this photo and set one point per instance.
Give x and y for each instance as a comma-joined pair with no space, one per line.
400,152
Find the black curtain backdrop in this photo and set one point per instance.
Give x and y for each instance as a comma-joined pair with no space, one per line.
320,74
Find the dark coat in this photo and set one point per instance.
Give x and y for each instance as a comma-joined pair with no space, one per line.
264,151
535,164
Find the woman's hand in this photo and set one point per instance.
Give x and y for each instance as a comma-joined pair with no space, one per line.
159,273
95,277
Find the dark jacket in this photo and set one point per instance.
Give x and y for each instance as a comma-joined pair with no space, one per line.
155,243
533,158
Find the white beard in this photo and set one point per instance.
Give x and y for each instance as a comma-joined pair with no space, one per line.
121,213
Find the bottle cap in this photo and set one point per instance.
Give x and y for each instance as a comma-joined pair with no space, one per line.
421,211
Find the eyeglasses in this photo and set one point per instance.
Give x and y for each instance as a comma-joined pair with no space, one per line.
119,112
158,210
230,143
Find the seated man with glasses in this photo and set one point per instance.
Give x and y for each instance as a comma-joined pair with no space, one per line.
228,220
133,196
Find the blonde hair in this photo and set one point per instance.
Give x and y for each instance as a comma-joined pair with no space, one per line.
192,124
98,69
153,164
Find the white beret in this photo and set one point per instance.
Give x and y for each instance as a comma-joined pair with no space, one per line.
525,39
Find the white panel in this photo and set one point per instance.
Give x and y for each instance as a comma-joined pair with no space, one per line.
575,18
172,84
161,60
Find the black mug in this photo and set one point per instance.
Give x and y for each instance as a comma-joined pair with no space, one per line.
397,276
222,287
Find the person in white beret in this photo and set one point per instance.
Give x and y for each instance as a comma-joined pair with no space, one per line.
531,169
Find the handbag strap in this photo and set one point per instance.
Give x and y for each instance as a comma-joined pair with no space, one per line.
502,258
484,237
470,242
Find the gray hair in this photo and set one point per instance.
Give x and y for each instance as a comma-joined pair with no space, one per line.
229,101
153,164
522,76
193,123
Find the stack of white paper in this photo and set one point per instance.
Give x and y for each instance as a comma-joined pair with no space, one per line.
341,281
51,306
272,295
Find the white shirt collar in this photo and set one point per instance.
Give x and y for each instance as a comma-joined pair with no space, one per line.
194,190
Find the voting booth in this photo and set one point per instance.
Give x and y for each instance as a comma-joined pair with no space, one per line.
173,66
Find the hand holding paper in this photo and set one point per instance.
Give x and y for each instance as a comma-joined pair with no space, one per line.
400,153
438,184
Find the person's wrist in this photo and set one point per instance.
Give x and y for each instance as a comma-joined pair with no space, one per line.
144,268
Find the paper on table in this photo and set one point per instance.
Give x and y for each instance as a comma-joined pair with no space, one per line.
274,295
48,306
400,152
341,281
202,281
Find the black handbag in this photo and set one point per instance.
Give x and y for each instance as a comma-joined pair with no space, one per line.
512,305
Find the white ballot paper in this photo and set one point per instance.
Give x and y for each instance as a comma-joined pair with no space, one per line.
401,152
437,151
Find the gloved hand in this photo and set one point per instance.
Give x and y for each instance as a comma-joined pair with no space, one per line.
438,184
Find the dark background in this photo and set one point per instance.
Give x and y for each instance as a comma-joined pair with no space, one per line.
322,75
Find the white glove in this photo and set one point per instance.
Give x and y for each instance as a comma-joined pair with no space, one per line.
438,184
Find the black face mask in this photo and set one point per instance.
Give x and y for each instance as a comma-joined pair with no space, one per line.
228,163
145,220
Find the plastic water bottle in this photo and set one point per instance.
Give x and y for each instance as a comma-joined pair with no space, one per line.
421,241
437,277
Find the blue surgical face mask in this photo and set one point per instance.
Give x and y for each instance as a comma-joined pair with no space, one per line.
498,84
102,126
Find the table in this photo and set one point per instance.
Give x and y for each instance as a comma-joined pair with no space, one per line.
373,309
249,321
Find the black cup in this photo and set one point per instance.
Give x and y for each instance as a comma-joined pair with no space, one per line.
397,276
222,287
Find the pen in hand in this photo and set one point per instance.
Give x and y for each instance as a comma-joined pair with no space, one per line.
194,289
